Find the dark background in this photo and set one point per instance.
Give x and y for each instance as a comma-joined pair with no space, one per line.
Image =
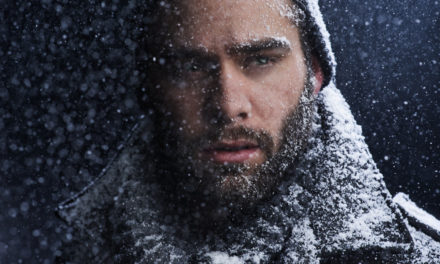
66,79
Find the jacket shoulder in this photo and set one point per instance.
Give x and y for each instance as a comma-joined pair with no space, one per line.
424,229
90,214
109,183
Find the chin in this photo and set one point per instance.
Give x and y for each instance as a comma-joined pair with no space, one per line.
241,191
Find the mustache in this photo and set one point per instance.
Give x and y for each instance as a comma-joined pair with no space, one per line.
264,140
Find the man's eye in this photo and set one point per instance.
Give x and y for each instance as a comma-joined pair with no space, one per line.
197,66
258,61
192,66
262,60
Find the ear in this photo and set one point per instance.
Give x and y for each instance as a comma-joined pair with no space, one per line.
319,76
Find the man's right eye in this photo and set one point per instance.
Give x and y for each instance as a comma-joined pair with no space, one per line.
259,61
189,68
192,66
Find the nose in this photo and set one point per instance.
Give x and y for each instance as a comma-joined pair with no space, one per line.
236,104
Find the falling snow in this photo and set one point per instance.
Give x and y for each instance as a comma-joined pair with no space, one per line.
67,103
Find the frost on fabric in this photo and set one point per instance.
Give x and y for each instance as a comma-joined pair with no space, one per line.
221,257
417,213
426,251
355,213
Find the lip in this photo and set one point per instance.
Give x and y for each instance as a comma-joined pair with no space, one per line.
232,151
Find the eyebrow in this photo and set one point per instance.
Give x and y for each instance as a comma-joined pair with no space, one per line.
249,47
256,46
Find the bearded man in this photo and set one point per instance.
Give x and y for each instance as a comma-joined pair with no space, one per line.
249,153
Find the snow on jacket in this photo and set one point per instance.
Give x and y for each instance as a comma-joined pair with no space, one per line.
334,207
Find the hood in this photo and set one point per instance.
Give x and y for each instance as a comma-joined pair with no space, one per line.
319,39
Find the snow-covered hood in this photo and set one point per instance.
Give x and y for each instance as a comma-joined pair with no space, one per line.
319,38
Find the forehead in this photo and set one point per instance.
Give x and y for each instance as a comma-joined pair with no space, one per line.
210,23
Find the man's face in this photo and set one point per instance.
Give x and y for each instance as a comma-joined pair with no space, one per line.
233,76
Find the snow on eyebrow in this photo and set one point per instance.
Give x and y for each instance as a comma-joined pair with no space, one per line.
283,40
266,42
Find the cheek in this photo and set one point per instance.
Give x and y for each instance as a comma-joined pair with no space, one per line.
278,100
185,107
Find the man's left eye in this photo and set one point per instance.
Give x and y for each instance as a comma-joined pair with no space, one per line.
258,61
262,60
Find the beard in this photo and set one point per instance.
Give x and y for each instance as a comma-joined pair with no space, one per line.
209,192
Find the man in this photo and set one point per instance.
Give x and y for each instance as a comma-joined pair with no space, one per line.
254,156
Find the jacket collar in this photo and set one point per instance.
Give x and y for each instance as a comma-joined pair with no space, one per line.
352,209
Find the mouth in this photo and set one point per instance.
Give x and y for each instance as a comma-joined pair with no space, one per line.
233,151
